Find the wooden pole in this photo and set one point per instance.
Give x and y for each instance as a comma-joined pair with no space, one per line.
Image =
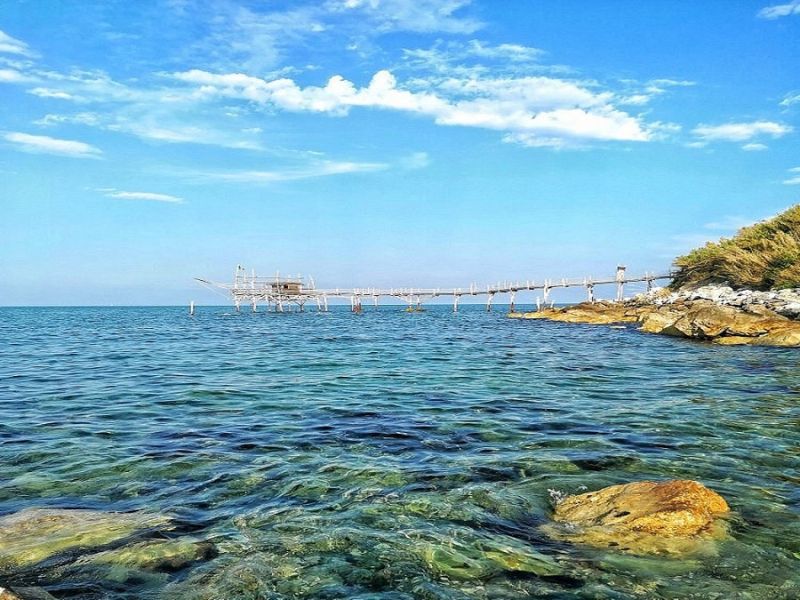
620,282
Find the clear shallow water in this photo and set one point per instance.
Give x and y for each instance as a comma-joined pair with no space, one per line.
390,455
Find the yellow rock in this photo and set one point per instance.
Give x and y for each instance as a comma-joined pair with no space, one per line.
735,340
701,320
600,313
657,321
673,517
788,335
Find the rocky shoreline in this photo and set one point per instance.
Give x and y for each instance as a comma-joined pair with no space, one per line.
713,313
53,549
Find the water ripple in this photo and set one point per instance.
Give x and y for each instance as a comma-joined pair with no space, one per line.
333,455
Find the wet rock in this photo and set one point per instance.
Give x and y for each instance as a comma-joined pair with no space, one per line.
454,562
512,555
467,557
658,321
779,336
673,517
33,535
717,323
154,555
25,593
699,319
599,313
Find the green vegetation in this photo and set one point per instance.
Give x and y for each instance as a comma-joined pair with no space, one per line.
762,256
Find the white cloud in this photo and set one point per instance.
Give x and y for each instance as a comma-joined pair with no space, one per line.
635,99
639,94
78,86
12,45
83,118
153,123
150,196
512,52
43,144
795,179
422,16
255,39
754,147
666,82
476,58
416,160
321,168
780,10
740,132
186,107
729,223
790,100
534,111
166,128
14,76
43,92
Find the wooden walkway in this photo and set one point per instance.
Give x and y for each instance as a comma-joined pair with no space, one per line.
280,293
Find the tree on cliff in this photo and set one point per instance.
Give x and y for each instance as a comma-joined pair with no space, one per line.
762,256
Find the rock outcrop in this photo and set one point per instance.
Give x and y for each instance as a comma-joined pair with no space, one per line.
599,313
722,324
670,517
699,319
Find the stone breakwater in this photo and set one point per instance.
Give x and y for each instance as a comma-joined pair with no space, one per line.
715,314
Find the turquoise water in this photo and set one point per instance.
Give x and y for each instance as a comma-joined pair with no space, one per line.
388,454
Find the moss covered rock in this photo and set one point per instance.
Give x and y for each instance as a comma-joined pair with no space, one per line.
33,535
156,555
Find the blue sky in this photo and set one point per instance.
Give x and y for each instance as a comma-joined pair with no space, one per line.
382,142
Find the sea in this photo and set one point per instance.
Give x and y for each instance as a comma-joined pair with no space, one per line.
388,454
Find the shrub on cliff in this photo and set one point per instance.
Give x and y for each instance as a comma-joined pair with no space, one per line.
762,256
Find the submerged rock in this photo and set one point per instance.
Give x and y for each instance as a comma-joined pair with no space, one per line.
512,555
156,555
481,557
673,517
33,535
455,562
25,593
